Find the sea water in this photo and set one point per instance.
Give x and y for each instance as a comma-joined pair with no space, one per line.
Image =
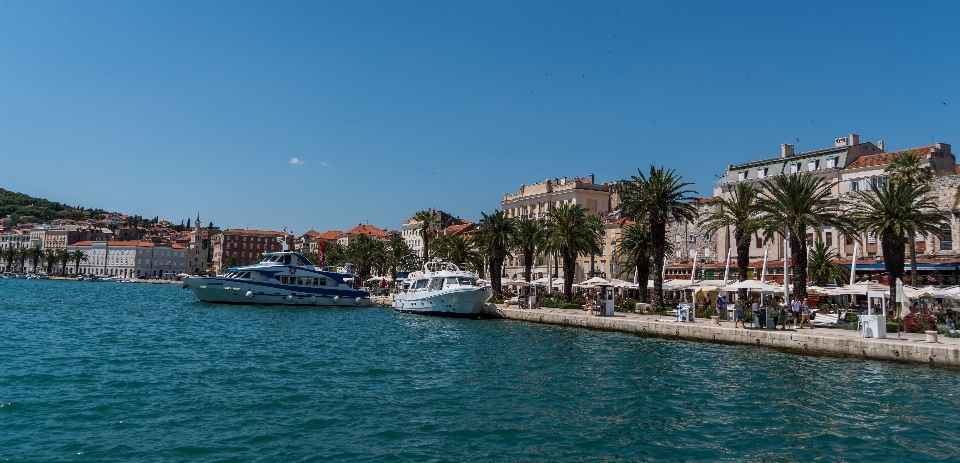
139,372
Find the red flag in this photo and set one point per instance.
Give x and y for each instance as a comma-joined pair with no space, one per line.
383,282
323,249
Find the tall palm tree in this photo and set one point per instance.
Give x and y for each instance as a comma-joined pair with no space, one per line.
63,256
530,237
35,254
497,235
459,250
656,198
634,243
366,253
823,265
572,232
50,259
426,217
792,204
399,255
77,257
895,211
23,254
9,254
909,167
738,212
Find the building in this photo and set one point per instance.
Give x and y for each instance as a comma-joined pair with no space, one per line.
246,245
131,259
351,235
15,238
444,224
850,166
535,202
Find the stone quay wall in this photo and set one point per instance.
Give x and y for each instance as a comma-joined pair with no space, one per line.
790,341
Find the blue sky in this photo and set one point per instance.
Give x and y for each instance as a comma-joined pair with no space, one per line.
170,108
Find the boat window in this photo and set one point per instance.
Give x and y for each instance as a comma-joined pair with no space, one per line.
286,259
467,281
436,283
421,284
245,275
451,281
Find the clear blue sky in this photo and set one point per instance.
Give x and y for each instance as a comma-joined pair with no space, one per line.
170,108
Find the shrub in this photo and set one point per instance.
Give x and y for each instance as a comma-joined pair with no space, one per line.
916,323
570,305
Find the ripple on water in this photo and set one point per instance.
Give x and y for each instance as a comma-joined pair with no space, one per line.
112,372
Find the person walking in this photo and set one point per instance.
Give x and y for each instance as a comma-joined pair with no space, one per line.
783,315
805,309
721,305
796,312
738,314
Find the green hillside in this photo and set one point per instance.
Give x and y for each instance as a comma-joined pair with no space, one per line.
23,208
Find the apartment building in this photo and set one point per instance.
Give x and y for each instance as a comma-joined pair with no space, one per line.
246,245
132,259
444,224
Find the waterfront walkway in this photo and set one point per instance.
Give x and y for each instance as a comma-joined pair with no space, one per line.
911,348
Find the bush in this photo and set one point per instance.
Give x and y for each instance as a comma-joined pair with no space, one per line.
570,305
891,327
916,323
549,303
944,330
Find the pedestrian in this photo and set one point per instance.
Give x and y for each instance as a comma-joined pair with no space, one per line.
783,315
721,304
796,312
738,314
805,316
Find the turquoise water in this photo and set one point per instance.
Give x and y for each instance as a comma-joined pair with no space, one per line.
131,372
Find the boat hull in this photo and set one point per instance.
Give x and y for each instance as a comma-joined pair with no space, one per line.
459,302
234,291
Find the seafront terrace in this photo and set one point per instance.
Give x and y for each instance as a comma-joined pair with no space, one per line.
910,348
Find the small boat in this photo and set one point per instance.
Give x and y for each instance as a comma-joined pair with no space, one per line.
442,289
286,278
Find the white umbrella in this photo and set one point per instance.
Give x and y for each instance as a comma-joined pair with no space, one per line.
519,283
379,279
751,285
903,302
595,281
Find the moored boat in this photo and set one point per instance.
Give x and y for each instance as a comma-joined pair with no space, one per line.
442,289
286,278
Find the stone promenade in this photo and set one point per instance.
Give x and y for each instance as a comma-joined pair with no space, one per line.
911,348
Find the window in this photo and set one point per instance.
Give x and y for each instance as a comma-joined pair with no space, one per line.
877,182
691,238
706,253
794,168
762,172
706,237
759,242
813,164
742,175
678,254
677,239
829,238
946,244
831,163
919,238
871,238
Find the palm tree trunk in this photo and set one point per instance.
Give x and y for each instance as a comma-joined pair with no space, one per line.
743,261
913,259
892,249
658,242
643,274
527,266
569,268
798,252
496,271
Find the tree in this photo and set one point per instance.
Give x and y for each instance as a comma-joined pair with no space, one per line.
35,254
497,235
399,254
634,243
739,212
231,262
572,232
50,258
459,250
9,254
77,257
365,253
656,198
426,218
335,255
824,269
63,256
792,204
909,167
894,212
530,240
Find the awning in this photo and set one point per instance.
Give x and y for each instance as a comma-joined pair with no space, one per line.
943,267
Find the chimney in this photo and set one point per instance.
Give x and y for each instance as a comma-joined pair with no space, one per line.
840,142
591,177
880,145
854,139
563,180
786,150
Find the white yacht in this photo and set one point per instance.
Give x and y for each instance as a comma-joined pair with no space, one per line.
286,278
442,289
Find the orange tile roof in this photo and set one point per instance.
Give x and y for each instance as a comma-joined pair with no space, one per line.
329,235
366,230
882,159
242,231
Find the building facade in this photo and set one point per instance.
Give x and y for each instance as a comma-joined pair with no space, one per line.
131,259
246,246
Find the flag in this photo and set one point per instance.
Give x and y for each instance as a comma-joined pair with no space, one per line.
323,249
902,301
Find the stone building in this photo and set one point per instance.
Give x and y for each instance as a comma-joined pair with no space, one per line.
246,245
131,259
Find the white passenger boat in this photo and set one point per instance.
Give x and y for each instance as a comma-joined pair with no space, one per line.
286,278
442,289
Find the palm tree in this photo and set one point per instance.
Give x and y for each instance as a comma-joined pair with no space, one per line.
634,243
571,232
50,259
497,235
792,204
894,212
426,218
459,250
22,255
34,253
366,253
399,255
823,266
656,198
77,257
9,254
63,256
909,167
739,213
529,243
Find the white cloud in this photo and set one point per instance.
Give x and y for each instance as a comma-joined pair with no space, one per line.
296,162
324,164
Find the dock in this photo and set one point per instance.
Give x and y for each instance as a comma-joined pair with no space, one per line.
910,348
